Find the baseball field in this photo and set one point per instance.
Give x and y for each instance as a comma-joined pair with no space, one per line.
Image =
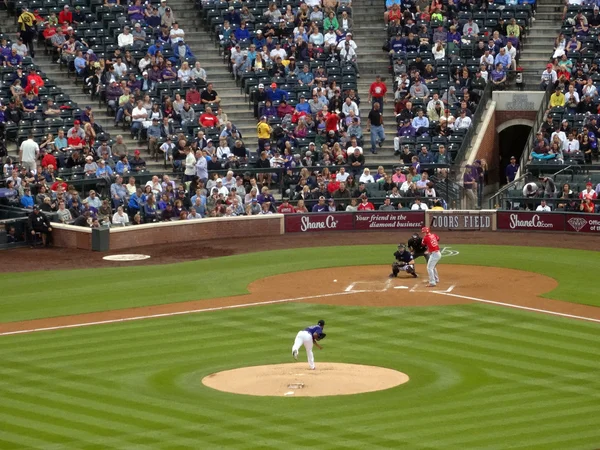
503,354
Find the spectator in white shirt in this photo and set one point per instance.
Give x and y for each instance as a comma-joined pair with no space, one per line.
548,77
471,28
120,218
125,39
419,206
366,177
342,175
571,144
176,34
330,38
589,90
348,106
512,51
543,207
120,67
463,122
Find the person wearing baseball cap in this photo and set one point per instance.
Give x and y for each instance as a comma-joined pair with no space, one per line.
432,243
308,337
38,222
275,94
548,77
320,206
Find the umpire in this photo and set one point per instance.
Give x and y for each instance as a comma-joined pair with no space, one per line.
416,246
404,261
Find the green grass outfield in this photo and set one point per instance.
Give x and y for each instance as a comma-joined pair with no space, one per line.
482,377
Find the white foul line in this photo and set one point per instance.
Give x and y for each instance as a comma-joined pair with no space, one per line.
179,313
285,300
510,305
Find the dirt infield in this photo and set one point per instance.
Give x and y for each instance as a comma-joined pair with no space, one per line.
297,380
354,286
26,259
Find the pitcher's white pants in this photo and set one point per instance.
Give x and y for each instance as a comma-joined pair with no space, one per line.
434,258
304,338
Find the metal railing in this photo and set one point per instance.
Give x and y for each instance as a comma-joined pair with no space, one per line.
539,118
495,200
476,120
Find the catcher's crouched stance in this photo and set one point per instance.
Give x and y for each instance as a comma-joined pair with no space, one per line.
404,261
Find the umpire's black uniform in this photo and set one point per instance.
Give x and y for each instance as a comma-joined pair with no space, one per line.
415,244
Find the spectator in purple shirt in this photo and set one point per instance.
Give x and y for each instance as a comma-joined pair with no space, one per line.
168,73
321,206
469,186
155,74
13,59
407,130
133,83
511,170
498,77
136,11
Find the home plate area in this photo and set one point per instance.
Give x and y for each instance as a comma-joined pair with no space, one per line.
410,285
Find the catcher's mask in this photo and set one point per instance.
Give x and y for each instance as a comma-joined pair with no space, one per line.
401,246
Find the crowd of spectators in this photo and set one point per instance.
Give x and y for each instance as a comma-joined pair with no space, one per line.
570,131
546,195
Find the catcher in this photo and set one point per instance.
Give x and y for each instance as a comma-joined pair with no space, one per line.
309,337
417,248
404,261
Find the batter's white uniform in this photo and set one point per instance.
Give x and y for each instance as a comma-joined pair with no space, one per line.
305,338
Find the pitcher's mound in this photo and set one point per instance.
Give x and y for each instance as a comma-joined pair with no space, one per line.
297,380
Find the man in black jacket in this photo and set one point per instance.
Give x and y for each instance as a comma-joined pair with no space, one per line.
39,223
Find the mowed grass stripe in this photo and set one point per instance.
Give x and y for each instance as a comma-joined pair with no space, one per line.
472,408
517,428
166,382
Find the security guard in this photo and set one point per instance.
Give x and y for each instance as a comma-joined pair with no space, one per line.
404,261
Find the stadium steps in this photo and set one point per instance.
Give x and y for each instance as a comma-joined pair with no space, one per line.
59,75
369,36
203,47
537,49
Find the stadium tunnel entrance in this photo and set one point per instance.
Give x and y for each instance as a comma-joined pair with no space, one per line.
512,139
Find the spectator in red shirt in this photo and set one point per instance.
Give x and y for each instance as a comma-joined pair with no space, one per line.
285,207
331,122
365,204
33,76
377,92
588,192
208,119
48,159
193,96
65,16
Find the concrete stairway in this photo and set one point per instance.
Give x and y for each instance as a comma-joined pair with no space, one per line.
370,34
203,47
538,48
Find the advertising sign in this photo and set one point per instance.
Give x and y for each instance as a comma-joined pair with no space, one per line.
295,223
583,223
461,220
530,221
389,220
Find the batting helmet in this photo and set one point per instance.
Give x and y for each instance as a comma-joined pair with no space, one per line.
425,230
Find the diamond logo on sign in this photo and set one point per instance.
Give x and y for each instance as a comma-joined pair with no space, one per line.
577,223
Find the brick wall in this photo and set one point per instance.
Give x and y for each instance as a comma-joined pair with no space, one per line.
68,236
162,233
489,148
